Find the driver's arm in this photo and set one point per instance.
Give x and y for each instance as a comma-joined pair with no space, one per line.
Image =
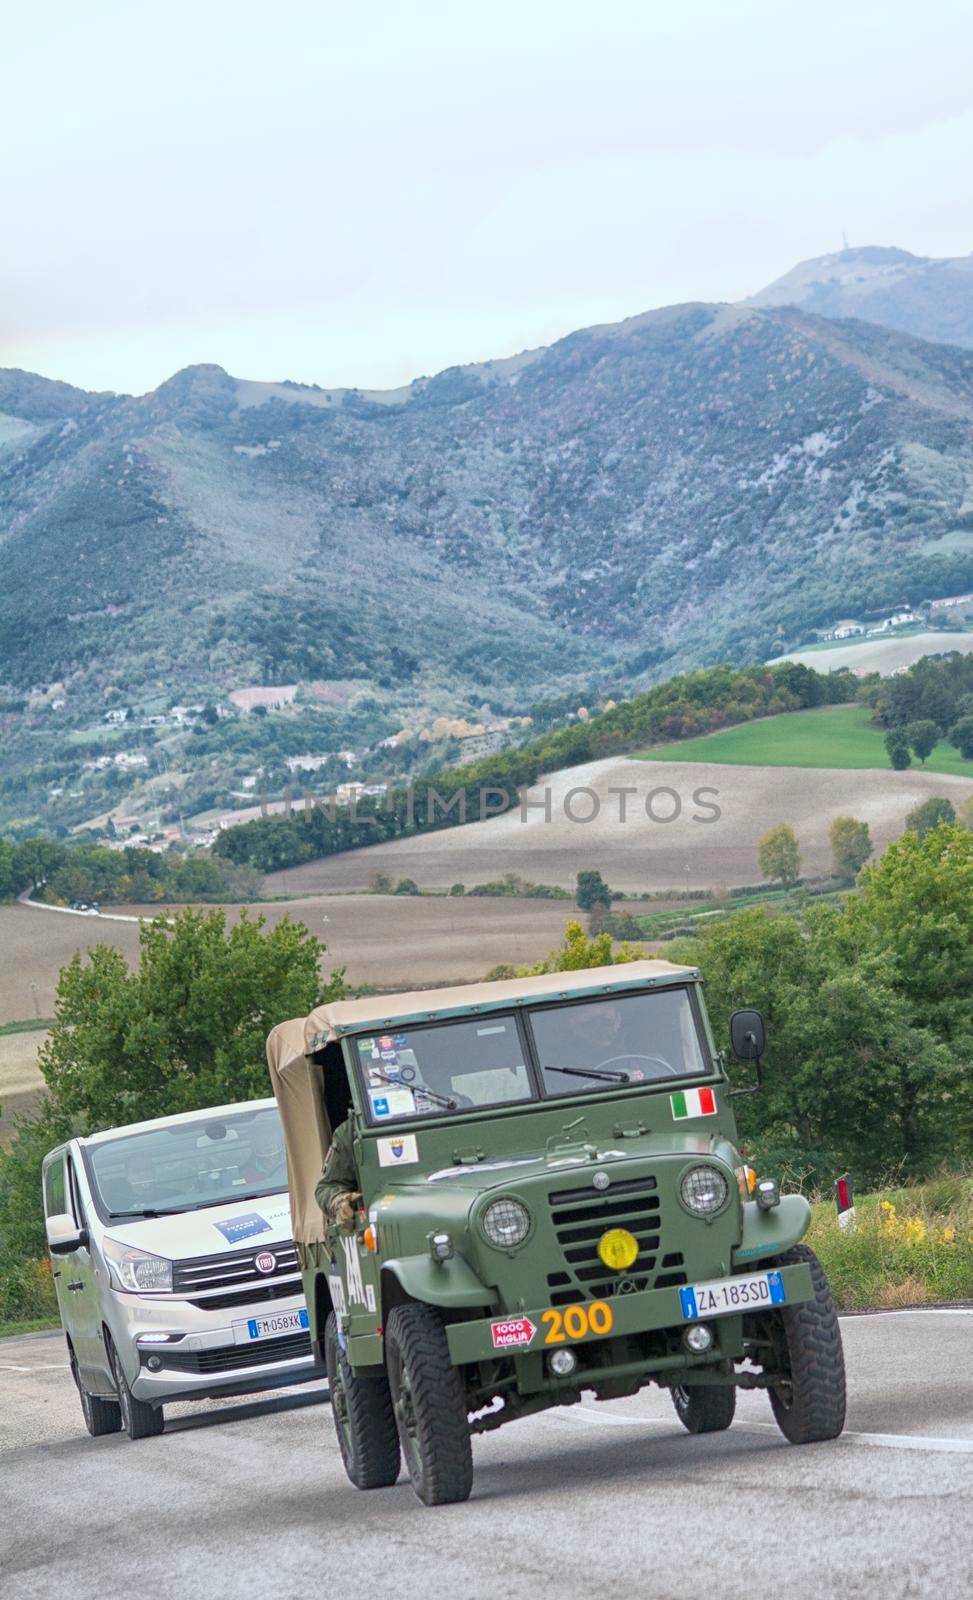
337,1188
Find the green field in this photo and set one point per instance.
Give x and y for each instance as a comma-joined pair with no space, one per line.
830,736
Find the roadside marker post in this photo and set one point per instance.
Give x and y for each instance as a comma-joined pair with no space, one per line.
845,1203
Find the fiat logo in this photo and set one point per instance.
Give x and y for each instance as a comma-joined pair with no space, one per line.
266,1261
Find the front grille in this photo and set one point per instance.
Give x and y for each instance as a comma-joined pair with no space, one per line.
204,1279
249,1297
580,1217
228,1358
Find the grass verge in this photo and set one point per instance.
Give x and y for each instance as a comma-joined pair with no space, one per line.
911,1246
10,1330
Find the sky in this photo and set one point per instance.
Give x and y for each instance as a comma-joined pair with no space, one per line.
359,195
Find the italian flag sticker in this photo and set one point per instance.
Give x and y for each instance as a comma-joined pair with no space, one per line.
693,1103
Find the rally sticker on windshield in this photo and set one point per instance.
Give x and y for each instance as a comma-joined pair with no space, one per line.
693,1103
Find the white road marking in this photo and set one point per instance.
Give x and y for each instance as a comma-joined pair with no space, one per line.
887,1441
58,1366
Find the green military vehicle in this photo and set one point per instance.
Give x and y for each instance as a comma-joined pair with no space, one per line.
551,1201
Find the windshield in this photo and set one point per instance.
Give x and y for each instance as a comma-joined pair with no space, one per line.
186,1165
630,1039
448,1067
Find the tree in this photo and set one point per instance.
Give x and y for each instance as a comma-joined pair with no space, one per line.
779,855
380,883
961,735
930,814
851,846
188,1028
458,888
922,738
897,746
592,890
184,1030
578,952
406,886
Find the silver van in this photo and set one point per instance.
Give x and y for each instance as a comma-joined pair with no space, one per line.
176,1273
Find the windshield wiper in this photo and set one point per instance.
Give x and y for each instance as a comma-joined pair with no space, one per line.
150,1211
394,1083
591,1072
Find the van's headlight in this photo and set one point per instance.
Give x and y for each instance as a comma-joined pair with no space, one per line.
704,1190
136,1271
506,1223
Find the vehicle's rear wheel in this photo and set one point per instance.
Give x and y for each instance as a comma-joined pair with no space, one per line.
809,1405
363,1418
705,1408
139,1420
430,1405
100,1416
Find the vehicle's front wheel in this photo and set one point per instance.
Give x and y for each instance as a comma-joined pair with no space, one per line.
809,1404
430,1405
363,1418
705,1408
100,1416
139,1420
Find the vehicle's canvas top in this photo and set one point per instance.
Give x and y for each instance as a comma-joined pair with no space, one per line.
297,1086
339,1017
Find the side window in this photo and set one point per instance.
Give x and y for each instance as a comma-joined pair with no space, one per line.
55,1194
74,1194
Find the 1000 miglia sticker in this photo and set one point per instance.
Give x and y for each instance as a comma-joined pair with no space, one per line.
692,1103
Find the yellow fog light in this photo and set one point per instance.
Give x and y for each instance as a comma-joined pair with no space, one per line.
618,1248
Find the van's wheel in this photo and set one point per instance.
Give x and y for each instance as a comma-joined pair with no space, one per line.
139,1420
100,1416
705,1408
363,1418
430,1405
809,1405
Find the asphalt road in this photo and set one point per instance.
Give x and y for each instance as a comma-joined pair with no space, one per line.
249,1499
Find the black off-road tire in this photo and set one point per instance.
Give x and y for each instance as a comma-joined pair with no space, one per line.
100,1416
139,1420
812,1406
430,1405
705,1408
363,1418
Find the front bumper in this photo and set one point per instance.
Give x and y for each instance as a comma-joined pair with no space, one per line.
199,1359
652,1311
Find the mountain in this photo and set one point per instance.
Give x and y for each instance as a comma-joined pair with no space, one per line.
930,297
695,484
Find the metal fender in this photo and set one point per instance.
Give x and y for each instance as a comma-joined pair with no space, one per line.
451,1283
770,1233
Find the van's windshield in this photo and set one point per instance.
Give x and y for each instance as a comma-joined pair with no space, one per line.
184,1166
620,1041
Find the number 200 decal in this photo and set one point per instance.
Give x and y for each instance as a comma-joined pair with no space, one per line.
577,1322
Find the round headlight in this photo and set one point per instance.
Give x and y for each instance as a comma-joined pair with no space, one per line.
506,1223
704,1190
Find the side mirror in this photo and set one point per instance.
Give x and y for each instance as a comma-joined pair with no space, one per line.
64,1235
748,1036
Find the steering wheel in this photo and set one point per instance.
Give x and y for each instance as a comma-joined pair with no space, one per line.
632,1055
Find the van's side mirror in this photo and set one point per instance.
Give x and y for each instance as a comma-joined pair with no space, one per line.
64,1235
748,1036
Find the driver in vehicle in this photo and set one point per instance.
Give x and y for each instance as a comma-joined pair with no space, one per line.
267,1163
131,1189
337,1191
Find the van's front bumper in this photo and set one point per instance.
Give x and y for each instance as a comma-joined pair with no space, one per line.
654,1311
192,1359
